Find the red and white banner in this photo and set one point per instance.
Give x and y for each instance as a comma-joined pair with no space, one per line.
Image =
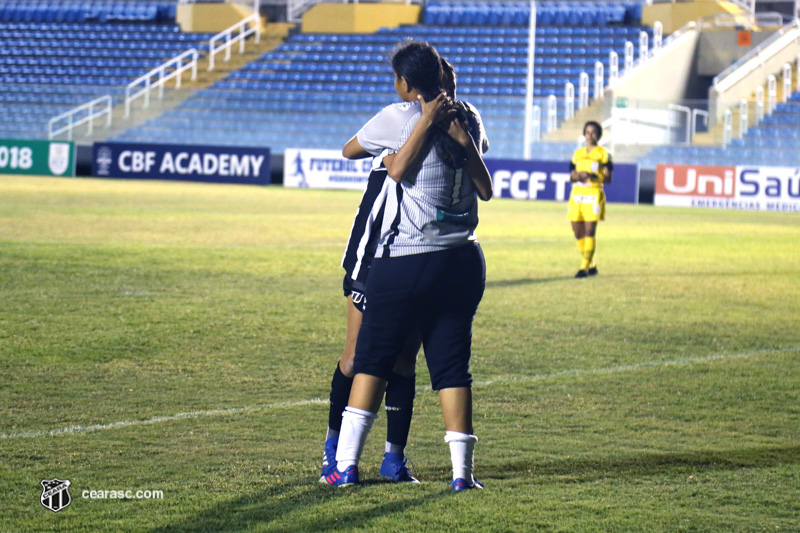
728,187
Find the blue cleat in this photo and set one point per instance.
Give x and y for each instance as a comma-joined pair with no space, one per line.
342,479
462,484
394,468
329,458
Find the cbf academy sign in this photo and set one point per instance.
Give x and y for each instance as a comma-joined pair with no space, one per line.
549,180
37,158
182,162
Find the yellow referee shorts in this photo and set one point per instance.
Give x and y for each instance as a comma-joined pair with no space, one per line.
586,204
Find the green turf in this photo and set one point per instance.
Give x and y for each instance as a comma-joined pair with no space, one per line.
181,338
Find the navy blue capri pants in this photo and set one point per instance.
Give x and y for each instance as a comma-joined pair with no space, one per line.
437,291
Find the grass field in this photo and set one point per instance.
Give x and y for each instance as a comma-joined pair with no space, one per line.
181,338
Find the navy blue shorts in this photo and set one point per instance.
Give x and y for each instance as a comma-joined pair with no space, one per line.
439,292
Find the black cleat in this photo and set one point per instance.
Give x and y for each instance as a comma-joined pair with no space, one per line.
582,274
592,271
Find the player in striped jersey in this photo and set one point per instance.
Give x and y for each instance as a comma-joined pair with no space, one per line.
400,390
357,259
429,270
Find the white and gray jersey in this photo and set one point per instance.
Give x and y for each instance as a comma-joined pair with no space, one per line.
436,207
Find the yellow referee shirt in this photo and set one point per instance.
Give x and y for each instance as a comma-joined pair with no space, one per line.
592,162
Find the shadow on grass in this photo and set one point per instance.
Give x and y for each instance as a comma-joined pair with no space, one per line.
525,281
592,468
302,506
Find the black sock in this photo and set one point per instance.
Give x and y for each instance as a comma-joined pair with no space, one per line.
400,393
340,395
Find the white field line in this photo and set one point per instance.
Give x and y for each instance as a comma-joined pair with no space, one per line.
684,361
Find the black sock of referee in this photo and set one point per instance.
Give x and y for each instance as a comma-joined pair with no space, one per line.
340,394
400,393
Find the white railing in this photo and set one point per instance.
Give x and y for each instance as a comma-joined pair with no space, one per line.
688,128
613,68
569,101
583,90
772,93
599,80
759,104
244,32
695,114
748,5
178,68
552,113
103,105
744,117
745,21
787,82
727,128
628,57
537,124
643,45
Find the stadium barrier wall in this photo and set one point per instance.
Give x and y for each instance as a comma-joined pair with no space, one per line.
674,15
210,18
358,18
227,164
549,180
668,77
750,188
522,180
37,158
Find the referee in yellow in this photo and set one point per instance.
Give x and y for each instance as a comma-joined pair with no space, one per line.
590,169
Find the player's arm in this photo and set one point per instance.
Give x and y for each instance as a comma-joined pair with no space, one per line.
607,169
574,175
405,157
475,166
354,150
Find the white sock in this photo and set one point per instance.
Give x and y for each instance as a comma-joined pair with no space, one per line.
394,448
356,424
462,452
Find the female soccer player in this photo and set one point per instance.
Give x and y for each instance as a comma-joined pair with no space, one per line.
357,259
590,169
428,270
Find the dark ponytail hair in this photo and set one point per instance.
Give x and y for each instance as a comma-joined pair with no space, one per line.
421,66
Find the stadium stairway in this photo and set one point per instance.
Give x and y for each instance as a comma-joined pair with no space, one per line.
316,90
47,68
272,37
715,134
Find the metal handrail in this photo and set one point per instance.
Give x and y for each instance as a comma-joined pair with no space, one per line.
736,68
163,78
683,109
695,114
244,33
744,21
89,118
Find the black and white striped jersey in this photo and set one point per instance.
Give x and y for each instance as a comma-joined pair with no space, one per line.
365,232
433,210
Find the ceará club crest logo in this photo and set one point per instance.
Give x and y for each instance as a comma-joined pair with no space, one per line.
55,494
